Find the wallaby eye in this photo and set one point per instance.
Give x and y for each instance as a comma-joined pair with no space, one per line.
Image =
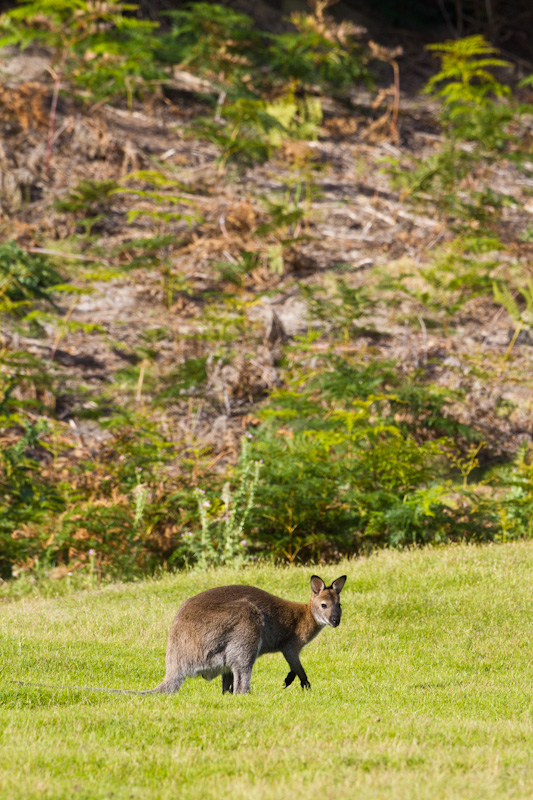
324,605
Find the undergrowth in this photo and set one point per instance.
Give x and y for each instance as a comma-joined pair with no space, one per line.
339,451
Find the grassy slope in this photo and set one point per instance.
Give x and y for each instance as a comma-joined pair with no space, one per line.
424,691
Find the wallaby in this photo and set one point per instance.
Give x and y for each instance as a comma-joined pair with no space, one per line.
223,631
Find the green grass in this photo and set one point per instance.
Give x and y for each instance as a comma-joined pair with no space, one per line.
424,691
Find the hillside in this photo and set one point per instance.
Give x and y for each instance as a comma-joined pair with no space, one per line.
207,269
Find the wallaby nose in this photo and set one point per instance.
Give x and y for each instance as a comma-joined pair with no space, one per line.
335,621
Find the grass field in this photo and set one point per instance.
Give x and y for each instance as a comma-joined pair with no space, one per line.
424,691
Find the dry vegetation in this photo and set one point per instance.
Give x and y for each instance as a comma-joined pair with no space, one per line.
196,285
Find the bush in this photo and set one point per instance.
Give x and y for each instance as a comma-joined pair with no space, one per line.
26,499
118,47
24,277
477,114
347,469
212,39
319,52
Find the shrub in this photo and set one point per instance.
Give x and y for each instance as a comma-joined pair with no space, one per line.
26,499
118,46
212,39
348,467
24,278
319,52
477,110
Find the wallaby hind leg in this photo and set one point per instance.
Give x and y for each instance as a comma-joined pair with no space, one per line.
227,682
244,646
243,680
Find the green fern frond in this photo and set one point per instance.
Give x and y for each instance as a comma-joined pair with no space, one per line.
468,46
503,296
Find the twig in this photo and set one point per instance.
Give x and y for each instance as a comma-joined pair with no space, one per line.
168,154
396,100
220,102
223,454
447,18
230,258
57,83
222,223
405,342
58,253
375,213
421,222
62,128
138,393
59,333
424,338
197,416
517,332
490,20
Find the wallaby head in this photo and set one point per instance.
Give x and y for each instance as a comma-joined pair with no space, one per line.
325,603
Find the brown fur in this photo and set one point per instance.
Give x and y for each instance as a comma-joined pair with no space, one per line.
223,631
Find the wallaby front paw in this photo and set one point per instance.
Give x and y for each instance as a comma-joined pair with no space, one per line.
289,679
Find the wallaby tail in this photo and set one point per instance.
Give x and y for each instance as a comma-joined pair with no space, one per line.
161,689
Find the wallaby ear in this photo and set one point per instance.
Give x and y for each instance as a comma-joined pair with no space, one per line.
317,584
338,584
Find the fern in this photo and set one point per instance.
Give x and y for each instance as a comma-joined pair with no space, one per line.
119,47
318,52
162,192
506,298
478,109
472,97
213,40
24,277
246,133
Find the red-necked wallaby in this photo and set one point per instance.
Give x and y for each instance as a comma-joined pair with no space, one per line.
223,631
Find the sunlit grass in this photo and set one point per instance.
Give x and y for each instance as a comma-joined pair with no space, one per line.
424,691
